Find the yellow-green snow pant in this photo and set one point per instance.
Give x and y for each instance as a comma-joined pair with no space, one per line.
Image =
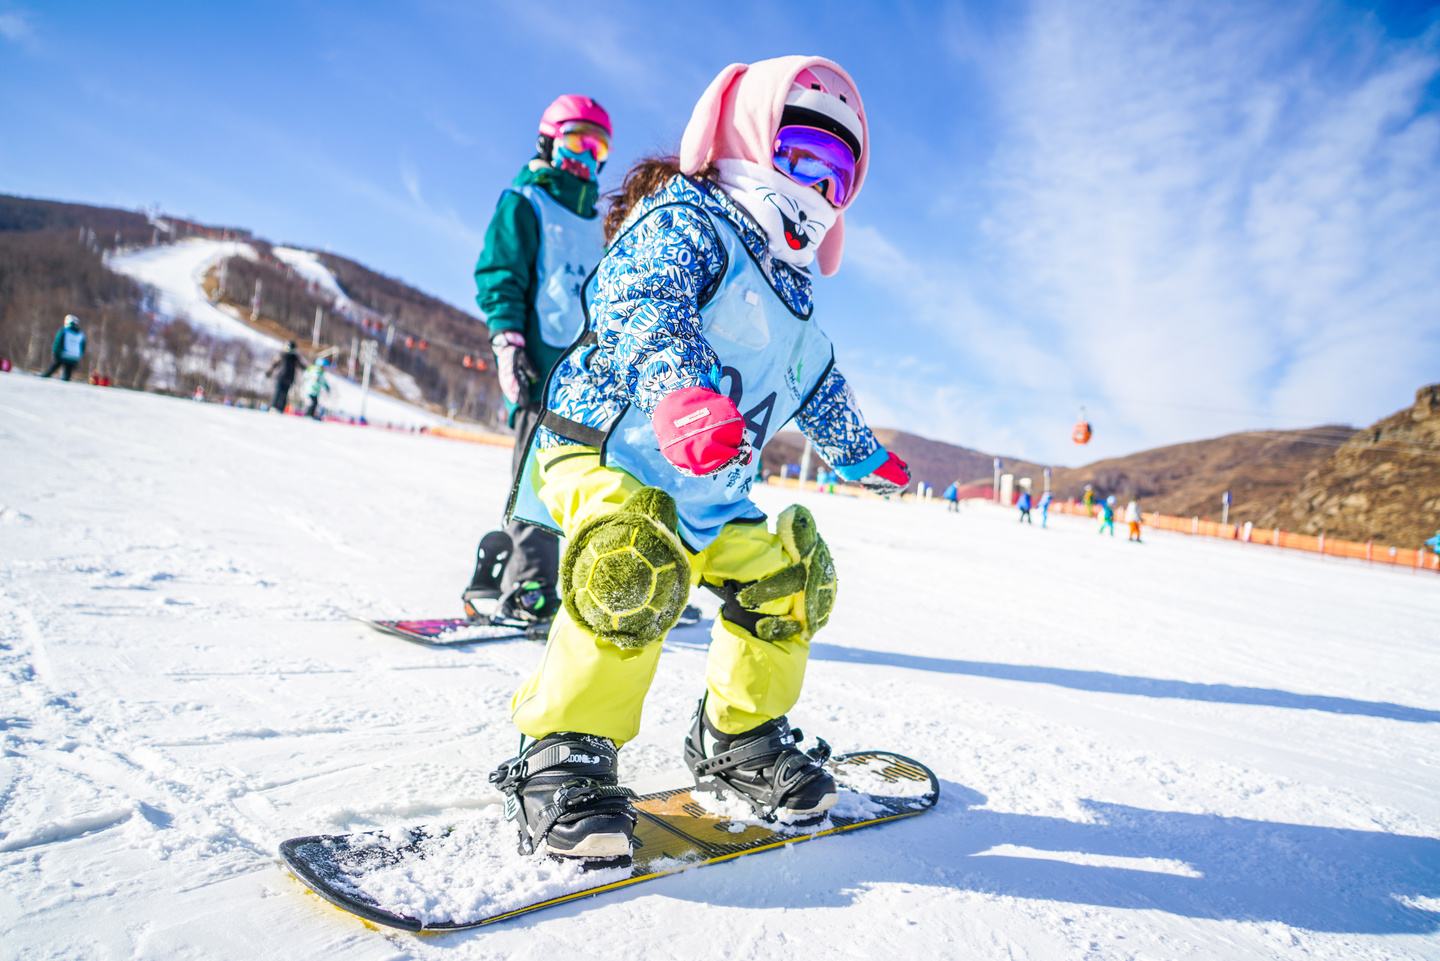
590,686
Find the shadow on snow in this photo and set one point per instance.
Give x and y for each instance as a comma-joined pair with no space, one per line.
1105,683
1316,878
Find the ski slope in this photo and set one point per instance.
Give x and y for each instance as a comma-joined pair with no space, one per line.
177,271
1180,750
307,264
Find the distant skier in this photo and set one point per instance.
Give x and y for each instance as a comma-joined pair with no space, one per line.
952,497
1132,520
1434,543
287,364
1089,501
1107,515
642,460
68,348
529,292
1024,504
1045,500
316,383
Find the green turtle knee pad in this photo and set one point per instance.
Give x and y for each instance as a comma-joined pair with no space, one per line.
624,576
811,576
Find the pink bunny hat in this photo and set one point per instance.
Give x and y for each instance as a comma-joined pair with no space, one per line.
739,112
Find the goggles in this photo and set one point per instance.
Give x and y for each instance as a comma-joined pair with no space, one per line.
581,137
816,158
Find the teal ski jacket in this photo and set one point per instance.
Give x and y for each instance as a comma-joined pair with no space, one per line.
505,281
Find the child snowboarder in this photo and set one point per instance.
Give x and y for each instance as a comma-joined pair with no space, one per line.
1045,500
699,347
952,498
542,242
315,384
1107,515
1024,504
1132,520
68,348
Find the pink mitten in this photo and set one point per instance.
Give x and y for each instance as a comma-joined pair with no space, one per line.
514,367
700,431
889,477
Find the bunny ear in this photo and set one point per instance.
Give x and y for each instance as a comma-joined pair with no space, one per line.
701,131
831,248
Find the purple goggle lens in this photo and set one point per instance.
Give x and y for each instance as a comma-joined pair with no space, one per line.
811,157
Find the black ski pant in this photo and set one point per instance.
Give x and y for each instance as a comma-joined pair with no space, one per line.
536,551
314,409
69,366
1025,517
282,394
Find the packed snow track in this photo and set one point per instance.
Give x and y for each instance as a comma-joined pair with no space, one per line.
1184,749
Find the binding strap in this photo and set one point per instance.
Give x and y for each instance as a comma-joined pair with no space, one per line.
576,794
573,794
793,767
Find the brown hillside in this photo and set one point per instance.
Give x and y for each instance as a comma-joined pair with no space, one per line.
1384,483
1261,469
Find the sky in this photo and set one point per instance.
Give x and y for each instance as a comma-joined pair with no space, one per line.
1186,218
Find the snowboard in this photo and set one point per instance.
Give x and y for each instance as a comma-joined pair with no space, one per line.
456,631
451,631
447,877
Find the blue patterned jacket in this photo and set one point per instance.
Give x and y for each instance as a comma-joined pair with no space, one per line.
644,313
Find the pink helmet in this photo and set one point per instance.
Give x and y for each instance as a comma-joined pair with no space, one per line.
572,106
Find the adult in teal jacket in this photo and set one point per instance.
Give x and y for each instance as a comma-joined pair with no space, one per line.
68,348
543,240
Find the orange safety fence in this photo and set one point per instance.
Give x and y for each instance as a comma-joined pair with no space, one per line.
472,436
836,487
1416,558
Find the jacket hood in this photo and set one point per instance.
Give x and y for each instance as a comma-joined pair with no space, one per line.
737,117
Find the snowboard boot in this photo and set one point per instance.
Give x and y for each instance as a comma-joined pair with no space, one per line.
764,767
563,794
530,603
491,556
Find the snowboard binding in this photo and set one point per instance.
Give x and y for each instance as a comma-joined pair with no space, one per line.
563,794
764,767
491,556
529,603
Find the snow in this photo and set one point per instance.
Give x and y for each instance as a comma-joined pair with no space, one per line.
473,869
1183,749
345,396
307,264
177,270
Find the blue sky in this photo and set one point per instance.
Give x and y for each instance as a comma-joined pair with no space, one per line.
1190,218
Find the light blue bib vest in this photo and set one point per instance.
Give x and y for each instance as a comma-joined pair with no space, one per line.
570,246
771,363
72,345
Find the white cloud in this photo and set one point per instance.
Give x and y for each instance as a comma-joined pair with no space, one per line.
600,35
15,26
1206,218
410,179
